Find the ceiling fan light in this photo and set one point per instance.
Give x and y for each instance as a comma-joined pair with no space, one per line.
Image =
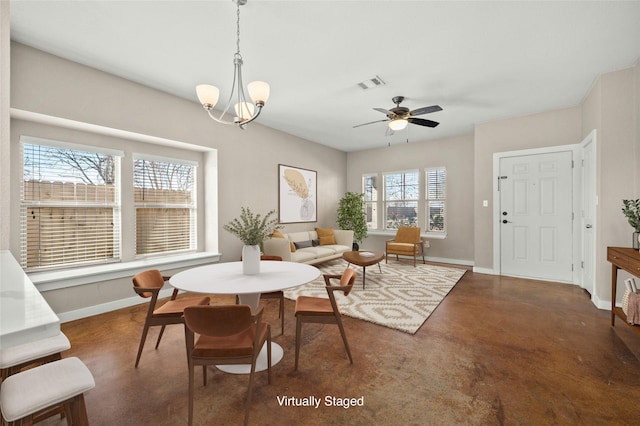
207,95
398,124
259,92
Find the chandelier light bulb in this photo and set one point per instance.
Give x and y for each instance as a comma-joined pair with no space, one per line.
208,95
259,92
246,112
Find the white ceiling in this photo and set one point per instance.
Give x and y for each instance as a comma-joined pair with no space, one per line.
479,60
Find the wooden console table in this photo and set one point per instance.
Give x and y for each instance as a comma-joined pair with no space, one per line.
627,259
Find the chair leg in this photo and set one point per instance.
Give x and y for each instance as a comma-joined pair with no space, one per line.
269,355
344,339
160,336
298,330
145,330
248,402
191,379
282,315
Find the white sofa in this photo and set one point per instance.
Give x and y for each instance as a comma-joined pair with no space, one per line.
313,254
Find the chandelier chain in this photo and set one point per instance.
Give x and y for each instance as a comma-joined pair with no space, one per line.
238,28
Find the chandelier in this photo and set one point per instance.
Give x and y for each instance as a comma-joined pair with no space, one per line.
244,111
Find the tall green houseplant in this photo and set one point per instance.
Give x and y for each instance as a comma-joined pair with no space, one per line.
351,215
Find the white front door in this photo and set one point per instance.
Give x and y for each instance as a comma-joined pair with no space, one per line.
536,216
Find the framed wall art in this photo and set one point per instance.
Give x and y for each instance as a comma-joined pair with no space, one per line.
296,194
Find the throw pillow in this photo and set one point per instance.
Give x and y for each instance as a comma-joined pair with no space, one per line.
326,237
316,242
302,244
278,234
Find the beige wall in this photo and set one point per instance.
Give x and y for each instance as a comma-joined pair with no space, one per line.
4,125
247,160
553,128
456,154
611,107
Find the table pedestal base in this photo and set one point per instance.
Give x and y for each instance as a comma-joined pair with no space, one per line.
261,363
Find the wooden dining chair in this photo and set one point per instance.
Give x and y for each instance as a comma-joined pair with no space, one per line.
148,284
228,334
320,310
279,294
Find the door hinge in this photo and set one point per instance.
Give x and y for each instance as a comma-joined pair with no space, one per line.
582,264
572,164
572,266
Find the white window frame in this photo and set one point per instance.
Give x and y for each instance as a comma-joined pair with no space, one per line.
440,198
386,202
115,205
192,207
371,202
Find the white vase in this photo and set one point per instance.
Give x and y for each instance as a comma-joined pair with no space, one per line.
251,260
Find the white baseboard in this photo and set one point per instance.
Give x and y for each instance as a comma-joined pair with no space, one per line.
107,307
488,271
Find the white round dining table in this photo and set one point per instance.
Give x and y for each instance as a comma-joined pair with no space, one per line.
227,278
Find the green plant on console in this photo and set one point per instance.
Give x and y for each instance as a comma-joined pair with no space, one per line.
631,210
351,215
252,229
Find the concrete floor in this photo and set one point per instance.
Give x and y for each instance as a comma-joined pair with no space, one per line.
496,351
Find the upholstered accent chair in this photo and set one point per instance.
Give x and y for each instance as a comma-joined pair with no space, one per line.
407,242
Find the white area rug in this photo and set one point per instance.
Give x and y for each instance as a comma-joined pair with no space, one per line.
401,297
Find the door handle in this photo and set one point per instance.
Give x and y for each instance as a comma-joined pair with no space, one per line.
506,221
589,226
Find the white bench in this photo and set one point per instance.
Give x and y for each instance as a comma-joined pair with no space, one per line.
15,358
29,396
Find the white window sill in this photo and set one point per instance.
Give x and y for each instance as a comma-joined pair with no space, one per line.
392,233
53,280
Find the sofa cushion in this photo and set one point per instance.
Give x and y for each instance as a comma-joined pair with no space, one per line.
326,236
302,256
302,244
278,234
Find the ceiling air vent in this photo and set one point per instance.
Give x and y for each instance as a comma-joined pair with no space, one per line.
371,83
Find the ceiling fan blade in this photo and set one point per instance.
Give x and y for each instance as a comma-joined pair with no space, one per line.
426,110
422,122
384,111
372,122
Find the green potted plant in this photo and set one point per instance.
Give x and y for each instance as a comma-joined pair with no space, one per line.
631,210
351,215
252,229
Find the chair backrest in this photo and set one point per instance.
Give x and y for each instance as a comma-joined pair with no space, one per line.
346,282
217,320
407,234
268,257
151,279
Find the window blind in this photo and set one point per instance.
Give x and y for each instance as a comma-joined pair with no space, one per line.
164,196
436,196
70,205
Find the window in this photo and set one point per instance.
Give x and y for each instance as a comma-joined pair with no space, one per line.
436,180
69,204
164,196
370,190
401,195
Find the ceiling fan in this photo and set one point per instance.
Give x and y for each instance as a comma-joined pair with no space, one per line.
399,117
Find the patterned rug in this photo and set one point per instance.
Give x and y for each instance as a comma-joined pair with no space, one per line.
401,297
